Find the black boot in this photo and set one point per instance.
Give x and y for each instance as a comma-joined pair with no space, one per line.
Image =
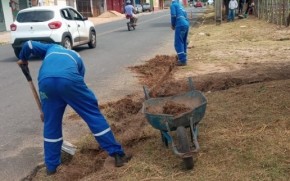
120,160
48,172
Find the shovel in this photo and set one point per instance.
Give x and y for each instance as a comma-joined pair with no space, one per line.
66,146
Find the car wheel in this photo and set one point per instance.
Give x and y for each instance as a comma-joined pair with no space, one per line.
66,43
93,40
17,52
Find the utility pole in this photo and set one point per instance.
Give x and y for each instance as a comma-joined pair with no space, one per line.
218,11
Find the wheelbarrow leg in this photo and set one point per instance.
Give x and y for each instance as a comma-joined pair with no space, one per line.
194,131
165,138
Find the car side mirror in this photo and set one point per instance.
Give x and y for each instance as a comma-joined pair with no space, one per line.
85,18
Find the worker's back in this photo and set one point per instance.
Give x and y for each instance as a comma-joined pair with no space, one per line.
129,10
177,10
60,62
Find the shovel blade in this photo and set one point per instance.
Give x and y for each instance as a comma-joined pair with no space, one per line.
68,148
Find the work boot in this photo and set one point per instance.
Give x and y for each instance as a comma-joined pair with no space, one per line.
49,172
181,64
120,160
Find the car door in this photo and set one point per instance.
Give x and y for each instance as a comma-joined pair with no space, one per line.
72,26
83,30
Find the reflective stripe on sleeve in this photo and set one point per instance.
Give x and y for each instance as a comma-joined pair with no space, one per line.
180,53
180,17
103,132
30,44
53,140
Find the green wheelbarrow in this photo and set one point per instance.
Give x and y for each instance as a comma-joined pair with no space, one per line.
181,123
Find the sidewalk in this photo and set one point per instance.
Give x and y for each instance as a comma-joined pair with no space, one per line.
4,37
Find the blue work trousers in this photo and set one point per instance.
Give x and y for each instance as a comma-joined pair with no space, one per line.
55,94
231,15
180,43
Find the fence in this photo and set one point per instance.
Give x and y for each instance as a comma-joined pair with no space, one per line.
273,11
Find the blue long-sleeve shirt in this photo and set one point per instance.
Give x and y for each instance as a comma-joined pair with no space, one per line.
178,15
57,61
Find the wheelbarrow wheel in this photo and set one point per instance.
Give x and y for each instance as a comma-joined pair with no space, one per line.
184,147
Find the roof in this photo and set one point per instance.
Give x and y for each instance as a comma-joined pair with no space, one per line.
53,8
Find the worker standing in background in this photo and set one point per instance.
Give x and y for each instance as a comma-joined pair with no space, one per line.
179,23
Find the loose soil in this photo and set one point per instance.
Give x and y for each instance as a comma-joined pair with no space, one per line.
243,69
169,107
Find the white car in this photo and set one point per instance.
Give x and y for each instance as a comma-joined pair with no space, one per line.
210,2
138,8
52,24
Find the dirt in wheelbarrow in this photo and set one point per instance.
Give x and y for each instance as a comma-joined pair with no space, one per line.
243,69
169,107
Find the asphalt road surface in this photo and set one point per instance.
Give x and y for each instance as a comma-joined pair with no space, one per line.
106,74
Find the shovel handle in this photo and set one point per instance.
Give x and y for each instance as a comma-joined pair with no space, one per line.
26,72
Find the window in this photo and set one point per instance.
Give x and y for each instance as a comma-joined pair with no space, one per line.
65,14
34,16
76,15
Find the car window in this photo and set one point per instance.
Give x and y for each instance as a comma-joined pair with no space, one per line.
65,14
76,15
34,16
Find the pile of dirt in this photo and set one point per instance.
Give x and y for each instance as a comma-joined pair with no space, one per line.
109,14
125,116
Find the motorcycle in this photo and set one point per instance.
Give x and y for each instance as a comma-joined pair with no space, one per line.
132,22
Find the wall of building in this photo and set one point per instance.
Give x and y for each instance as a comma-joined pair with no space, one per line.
8,16
9,13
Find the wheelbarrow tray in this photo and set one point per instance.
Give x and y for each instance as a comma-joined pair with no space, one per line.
194,99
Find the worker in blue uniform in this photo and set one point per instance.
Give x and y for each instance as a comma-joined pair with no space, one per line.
179,23
61,83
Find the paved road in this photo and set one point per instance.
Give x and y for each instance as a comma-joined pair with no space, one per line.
106,74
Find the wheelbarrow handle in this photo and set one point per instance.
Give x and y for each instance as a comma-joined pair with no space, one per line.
146,92
191,85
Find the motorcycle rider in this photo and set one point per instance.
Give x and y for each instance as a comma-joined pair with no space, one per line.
129,12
